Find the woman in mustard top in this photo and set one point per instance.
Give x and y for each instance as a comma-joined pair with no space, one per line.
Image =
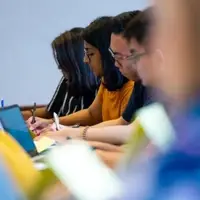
115,89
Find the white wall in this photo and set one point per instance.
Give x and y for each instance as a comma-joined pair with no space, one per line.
27,27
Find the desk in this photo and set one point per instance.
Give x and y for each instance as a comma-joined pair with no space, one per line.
29,107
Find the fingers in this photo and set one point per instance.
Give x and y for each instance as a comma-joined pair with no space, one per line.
39,123
49,128
28,122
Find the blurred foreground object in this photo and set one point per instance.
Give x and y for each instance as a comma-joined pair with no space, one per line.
177,34
153,129
28,179
79,168
8,188
18,162
174,175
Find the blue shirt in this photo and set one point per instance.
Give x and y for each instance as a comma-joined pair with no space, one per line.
175,175
139,98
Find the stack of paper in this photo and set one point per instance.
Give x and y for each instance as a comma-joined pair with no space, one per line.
43,144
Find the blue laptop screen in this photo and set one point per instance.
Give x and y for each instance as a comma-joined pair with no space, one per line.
13,122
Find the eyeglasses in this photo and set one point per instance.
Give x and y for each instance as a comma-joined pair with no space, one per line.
134,57
118,56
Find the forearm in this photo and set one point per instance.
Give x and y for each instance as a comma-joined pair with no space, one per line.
113,134
119,121
43,113
111,159
40,112
82,117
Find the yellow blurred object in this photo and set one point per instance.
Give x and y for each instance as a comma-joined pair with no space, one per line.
33,135
19,163
137,142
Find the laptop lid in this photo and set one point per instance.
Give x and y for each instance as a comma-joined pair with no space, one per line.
1,126
13,122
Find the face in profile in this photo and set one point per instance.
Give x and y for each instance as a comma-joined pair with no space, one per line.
92,57
120,52
143,62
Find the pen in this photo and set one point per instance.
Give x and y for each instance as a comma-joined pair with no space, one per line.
56,120
33,114
2,103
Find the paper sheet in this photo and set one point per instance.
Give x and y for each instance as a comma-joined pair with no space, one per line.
43,144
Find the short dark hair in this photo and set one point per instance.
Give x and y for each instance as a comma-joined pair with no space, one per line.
119,22
68,49
98,34
139,27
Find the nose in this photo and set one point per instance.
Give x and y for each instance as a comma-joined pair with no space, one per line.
86,59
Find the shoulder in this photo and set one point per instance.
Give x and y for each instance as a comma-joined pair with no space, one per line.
128,85
101,88
127,88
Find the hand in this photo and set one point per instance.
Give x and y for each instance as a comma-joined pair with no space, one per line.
49,128
39,124
61,136
42,131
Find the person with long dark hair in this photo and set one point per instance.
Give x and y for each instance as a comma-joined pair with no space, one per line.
115,89
78,85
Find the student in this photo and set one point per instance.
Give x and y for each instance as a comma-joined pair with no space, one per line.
78,86
120,134
137,34
115,89
176,172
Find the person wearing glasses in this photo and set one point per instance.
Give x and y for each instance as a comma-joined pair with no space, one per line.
78,86
115,89
119,54
106,138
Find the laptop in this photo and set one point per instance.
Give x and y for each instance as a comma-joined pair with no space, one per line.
12,121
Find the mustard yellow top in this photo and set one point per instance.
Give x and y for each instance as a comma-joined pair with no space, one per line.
114,102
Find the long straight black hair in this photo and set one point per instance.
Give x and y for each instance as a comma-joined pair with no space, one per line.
98,34
68,50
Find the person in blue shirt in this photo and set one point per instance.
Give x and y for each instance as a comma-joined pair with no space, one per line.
175,174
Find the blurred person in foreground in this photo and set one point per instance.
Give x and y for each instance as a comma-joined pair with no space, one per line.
174,175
